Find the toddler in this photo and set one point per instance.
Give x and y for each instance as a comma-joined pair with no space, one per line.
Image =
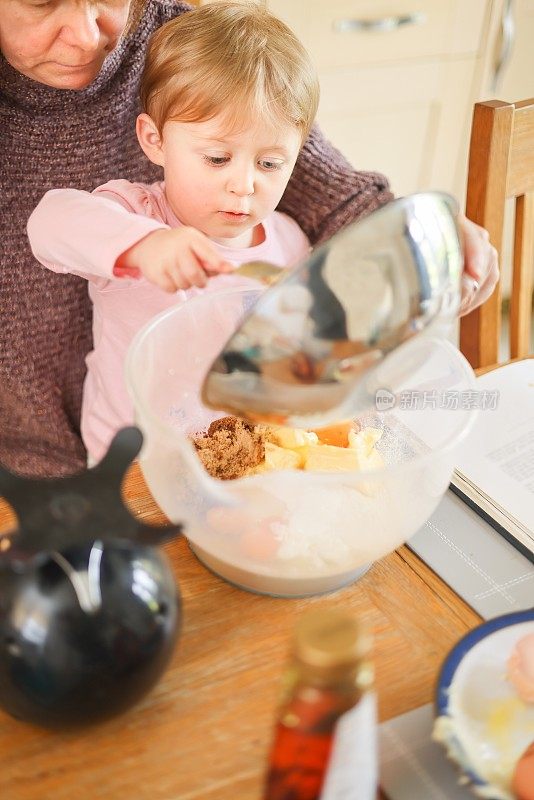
228,95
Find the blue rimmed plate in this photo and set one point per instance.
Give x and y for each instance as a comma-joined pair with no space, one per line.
480,720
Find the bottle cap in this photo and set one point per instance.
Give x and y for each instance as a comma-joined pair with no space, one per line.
328,639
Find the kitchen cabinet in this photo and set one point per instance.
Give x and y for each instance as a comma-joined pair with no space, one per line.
399,79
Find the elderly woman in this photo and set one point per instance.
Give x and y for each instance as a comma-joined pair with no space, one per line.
69,75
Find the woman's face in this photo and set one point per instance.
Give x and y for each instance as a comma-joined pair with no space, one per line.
61,43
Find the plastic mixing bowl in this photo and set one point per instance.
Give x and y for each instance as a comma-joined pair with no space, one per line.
294,533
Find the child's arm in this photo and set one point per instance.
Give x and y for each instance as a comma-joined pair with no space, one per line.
84,234
94,235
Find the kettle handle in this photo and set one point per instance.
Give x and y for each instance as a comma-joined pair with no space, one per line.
57,513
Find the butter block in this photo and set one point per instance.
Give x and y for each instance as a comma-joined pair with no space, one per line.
293,437
364,440
292,448
329,458
281,458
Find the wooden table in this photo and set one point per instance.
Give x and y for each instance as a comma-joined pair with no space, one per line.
203,732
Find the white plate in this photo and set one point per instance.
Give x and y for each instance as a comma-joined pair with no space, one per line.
481,721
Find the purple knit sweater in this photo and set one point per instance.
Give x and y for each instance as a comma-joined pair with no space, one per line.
57,138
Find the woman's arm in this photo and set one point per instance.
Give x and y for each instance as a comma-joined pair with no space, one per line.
325,192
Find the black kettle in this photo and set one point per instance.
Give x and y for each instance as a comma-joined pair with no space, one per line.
89,609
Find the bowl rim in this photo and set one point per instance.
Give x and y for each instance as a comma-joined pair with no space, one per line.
452,662
417,462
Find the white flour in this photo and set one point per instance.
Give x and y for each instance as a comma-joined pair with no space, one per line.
336,528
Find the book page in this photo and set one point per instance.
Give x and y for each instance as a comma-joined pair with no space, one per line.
498,455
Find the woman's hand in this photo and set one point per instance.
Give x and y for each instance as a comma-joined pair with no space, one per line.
175,258
481,269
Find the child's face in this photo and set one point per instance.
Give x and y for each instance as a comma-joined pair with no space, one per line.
224,184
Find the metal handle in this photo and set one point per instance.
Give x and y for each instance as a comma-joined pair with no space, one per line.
507,40
382,25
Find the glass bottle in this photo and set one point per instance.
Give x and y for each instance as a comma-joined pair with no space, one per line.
324,744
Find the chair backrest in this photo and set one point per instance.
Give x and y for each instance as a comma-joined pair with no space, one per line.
501,166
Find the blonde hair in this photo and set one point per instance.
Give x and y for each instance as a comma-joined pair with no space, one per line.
229,57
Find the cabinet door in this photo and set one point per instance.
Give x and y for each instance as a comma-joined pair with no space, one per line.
348,32
408,121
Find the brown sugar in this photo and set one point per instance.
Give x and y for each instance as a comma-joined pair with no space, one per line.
230,447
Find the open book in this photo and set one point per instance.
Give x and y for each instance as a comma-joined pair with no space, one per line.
495,465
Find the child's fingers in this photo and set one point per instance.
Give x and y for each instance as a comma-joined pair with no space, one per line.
188,272
209,257
158,275
165,282
223,268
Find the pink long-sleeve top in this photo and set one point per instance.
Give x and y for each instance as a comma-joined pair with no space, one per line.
84,233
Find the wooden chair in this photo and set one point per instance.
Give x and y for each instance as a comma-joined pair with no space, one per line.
501,166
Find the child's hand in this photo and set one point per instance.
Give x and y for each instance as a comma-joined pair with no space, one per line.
175,258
